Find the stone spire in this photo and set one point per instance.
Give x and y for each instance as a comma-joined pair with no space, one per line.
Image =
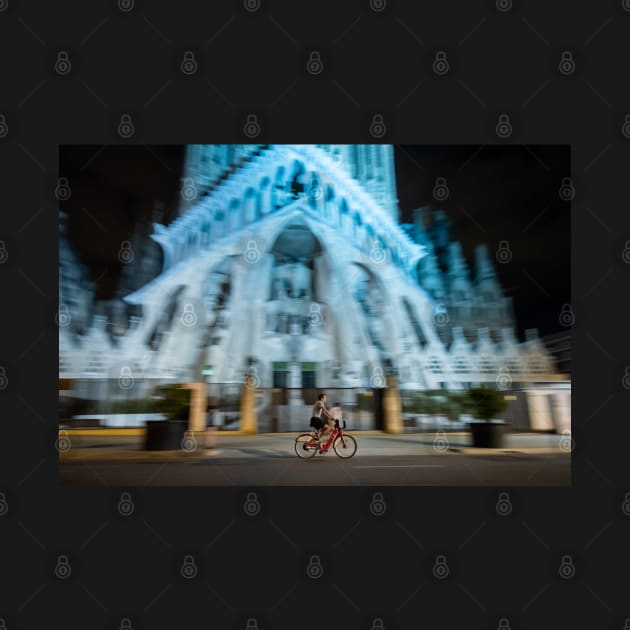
483,267
457,269
419,231
429,274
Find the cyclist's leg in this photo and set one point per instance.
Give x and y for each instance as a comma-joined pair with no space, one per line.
327,429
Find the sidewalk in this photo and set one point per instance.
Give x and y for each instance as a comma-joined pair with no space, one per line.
105,447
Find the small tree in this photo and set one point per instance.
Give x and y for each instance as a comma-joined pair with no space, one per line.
486,403
173,402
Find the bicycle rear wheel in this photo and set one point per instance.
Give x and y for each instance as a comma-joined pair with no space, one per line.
304,446
345,446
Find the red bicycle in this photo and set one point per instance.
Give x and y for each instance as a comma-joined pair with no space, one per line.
308,444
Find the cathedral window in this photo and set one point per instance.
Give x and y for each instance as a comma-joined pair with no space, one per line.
486,366
434,365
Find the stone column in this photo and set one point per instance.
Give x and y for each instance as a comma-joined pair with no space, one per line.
249,422
198,405
393,420
561,408
295,384
539,411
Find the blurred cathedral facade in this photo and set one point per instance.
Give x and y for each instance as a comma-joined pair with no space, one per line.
289,262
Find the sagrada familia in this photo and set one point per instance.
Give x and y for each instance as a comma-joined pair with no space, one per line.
289,263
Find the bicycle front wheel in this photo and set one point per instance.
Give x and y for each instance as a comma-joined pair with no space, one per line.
345,446
305,447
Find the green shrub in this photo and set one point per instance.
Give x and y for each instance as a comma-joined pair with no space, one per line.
173,401
486,403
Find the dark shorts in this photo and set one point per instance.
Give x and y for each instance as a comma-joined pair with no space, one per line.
318,423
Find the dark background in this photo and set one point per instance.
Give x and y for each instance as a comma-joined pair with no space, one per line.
496,193
374,63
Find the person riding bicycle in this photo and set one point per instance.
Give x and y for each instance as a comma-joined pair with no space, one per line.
322,425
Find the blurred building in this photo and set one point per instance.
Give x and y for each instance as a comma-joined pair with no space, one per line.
289,262
559,346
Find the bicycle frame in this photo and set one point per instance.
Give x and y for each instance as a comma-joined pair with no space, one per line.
334,433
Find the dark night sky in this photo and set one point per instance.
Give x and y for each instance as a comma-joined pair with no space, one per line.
496,193
502,193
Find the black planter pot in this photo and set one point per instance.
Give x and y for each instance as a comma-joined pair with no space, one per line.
487,434
164,435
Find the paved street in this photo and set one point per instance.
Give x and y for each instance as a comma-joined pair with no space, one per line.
267,460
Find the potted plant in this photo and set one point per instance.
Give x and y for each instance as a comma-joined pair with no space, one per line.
167,435
486,404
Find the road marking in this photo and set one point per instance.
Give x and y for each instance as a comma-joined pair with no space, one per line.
404,466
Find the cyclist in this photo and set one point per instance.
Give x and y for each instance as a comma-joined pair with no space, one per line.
325,424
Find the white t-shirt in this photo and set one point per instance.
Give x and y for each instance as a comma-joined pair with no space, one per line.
317,409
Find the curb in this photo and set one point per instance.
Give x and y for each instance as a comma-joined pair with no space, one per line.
507,451
83,454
